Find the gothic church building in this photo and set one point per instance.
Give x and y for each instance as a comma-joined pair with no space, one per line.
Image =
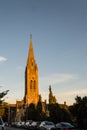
31,78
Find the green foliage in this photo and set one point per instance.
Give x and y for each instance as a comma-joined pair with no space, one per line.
54,112
5,116
76,113
65,115
79,111
39,110
58,114
31,112
2,94
3,105
39,105
35,112
1,110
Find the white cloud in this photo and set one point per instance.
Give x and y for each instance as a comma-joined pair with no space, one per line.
55,79
80,92
58,78
70,95
66,91
2,59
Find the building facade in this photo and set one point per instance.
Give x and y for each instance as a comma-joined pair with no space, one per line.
31,78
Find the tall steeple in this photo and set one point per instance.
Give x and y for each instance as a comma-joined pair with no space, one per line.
31,78
31,52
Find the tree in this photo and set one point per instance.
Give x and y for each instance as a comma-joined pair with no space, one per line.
58,114
3,105
39,109
2,94
54,112
39,105
41,113
31,112
5,116
79,111
65,115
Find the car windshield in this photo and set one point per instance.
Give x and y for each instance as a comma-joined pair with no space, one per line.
64,124
49,123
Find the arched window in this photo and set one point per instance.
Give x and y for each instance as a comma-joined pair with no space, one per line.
34,84
31,84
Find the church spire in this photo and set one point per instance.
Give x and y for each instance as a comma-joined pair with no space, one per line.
31,52
31,78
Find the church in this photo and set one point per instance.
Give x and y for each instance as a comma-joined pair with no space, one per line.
31,78
31,84
31,94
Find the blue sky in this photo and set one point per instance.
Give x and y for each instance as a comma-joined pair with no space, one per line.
59,35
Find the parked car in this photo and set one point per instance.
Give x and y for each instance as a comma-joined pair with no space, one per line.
46,125
23,124
2,126
27,124
65,126
18,124
6,123
34,125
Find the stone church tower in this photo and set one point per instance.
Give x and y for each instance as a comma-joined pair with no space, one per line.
31,78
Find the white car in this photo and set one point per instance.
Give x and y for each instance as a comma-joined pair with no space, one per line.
46,125
2,126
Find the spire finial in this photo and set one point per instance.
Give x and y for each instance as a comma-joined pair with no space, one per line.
30,36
